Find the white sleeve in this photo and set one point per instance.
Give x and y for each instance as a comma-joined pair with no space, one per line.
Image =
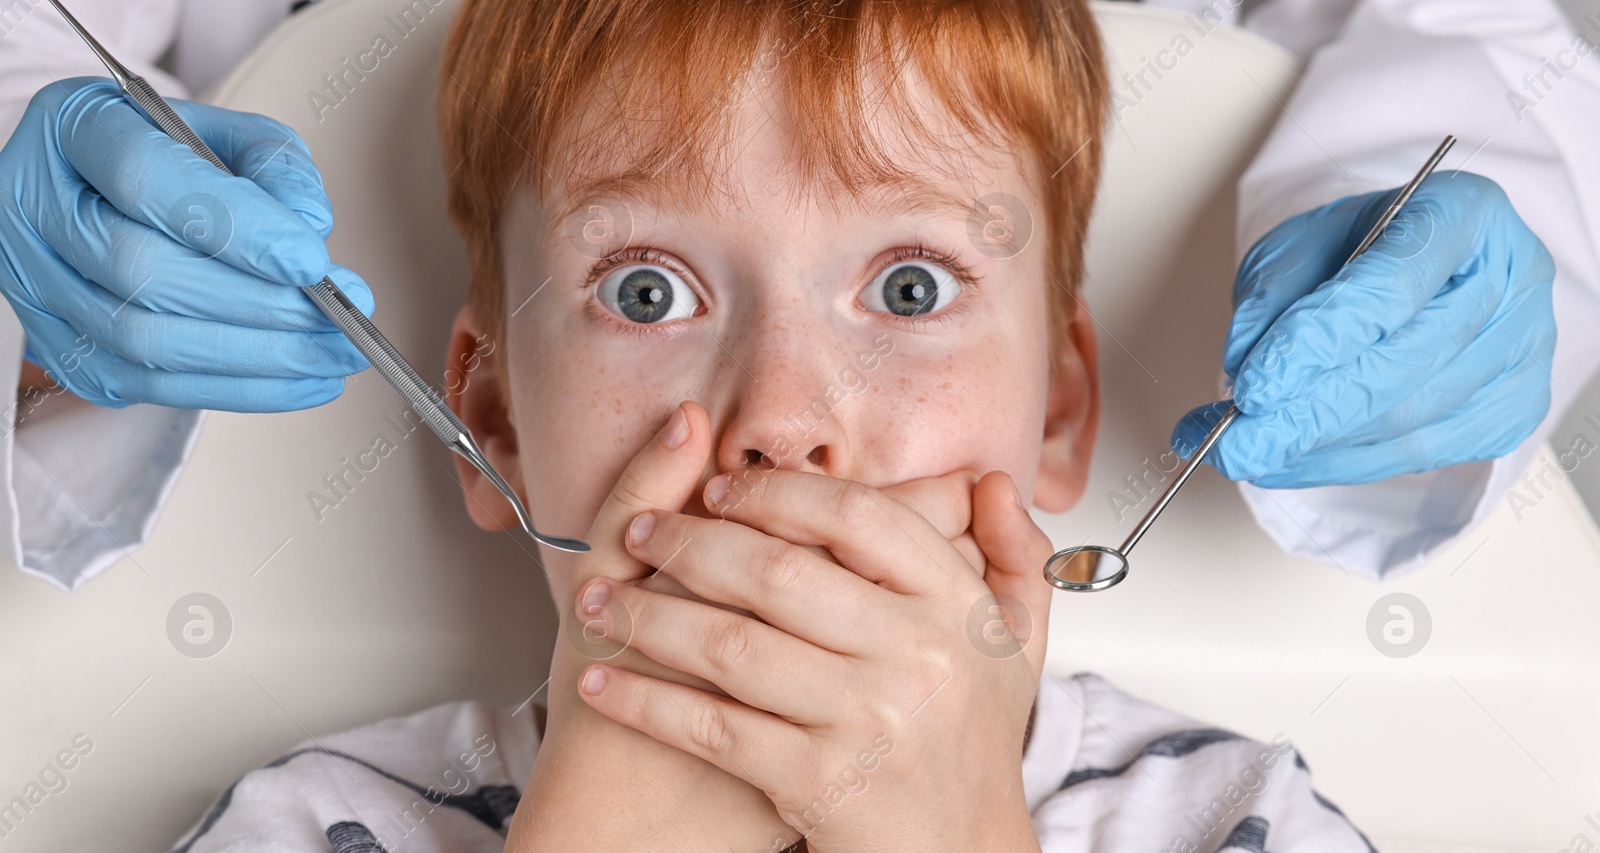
37,47
80,486
1515,83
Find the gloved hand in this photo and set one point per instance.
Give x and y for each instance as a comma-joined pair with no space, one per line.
1431,349
142,274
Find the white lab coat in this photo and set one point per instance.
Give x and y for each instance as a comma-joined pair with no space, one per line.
1385,80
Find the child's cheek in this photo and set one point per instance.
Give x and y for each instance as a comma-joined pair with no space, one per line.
930,425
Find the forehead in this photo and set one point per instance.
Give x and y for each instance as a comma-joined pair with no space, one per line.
900,149
931,196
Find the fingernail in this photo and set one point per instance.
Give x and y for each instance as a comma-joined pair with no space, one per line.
594,681
677,431
717,489
640,529
595,597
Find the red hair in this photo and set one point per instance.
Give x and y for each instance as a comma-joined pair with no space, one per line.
1021,75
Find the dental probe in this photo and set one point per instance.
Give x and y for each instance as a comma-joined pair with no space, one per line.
327,296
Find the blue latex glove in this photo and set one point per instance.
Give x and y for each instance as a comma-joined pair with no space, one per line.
1431,349
142,274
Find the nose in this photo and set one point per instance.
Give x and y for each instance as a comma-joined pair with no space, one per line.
791,418
784,429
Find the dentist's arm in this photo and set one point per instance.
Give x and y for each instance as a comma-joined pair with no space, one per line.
131,284
1388,409
51,514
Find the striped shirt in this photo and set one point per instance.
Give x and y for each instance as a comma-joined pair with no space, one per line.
1101,771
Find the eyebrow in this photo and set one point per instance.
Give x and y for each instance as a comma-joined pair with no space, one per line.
917,194
907,192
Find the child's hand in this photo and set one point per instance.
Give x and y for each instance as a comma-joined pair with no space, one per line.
607,786
880,706
598,785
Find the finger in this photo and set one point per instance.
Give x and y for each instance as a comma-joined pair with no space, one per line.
750,744
752,662
867,530
1477,431
969,549
1289,262
1016,550
1373,296
158,181
1394,368
1524,329
106,379
223,393
1192,429
589,635
945,501
660,476
180,344
268,152
781,582
138,263
353,286
1421,365
1363,406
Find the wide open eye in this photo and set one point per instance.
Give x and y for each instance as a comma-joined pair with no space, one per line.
647,294
911,288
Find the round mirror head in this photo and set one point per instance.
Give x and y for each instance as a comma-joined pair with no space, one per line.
1087,568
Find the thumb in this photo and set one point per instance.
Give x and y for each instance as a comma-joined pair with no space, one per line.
1191,432
1016,550
659,477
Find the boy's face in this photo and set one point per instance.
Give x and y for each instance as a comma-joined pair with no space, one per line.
820,331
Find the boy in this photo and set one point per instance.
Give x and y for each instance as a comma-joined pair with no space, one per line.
772,283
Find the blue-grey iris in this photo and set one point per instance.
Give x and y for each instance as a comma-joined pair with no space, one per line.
909,290
644,296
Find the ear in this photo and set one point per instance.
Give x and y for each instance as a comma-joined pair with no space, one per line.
474,387
1071,419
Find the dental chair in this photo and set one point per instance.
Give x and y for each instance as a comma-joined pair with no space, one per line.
389,600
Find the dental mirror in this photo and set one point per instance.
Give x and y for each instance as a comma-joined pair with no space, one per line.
1091,568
